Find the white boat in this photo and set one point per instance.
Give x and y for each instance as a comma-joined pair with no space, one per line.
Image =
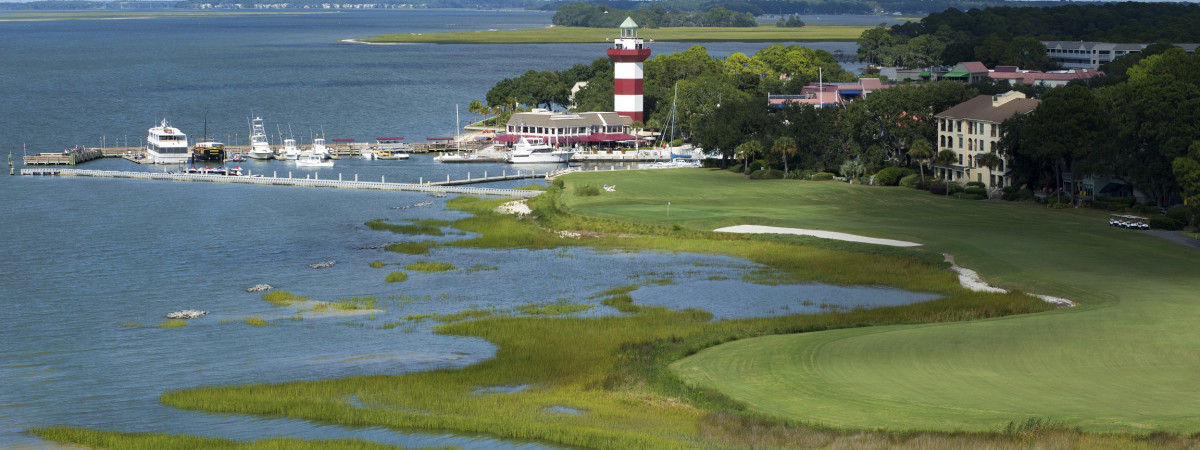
319,149
381,154
313,160
259,147
535,150
166,145
290,151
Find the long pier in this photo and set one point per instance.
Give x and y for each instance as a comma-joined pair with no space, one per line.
380,185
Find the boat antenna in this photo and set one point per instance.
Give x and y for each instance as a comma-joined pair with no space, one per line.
672,118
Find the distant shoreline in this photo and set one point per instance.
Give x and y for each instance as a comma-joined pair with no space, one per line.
583,35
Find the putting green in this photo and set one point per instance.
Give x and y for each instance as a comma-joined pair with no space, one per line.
1125,359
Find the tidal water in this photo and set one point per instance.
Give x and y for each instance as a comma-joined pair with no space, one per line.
90,266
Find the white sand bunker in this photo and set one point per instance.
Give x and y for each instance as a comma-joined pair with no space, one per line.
752,229
970,280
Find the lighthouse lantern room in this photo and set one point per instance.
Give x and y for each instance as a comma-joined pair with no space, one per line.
628,53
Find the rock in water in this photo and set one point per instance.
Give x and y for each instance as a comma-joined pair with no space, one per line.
259,288
322,265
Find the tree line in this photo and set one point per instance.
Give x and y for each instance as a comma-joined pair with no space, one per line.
1011,35
580,14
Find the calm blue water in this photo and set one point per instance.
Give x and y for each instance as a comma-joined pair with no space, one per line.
90,266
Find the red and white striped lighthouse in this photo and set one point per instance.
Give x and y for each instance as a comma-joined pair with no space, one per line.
628,54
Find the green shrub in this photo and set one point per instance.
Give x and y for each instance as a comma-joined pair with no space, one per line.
586,190
558,183
1165,223
822,176
910,180
805,174
1124,202
1146,208
978,191
396,277
891,176
736,168
757,165
974,196
1181,214
937,188
767,174
978,184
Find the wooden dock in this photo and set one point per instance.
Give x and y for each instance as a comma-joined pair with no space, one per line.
68,158
380,185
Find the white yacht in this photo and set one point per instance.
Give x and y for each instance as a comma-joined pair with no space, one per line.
319,149
166,145
259,147
536,150
290,151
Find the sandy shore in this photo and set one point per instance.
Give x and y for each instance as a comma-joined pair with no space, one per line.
755,229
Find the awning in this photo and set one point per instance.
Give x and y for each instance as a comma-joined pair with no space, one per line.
506,138
609,137
956,75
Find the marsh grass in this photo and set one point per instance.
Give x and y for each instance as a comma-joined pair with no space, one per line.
766,33
430,266
429,227
377,264
131,324
559,308
173,323
396,277
463,315
256,322
410,248
282,298
356,303
155,441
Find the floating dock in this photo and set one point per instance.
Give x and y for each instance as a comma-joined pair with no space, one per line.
380,185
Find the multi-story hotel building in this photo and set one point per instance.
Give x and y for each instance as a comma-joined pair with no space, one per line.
973,128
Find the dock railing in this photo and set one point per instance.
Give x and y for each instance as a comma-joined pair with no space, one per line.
382,184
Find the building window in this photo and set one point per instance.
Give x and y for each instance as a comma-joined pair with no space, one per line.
960,161
960,142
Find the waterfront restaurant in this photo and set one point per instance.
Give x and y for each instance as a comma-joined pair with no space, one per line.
570,129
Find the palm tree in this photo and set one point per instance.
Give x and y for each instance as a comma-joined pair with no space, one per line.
786,147
747,150
476,107
946,158
854,168
921,150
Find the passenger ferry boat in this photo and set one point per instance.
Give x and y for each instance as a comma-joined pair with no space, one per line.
166,145
535,150
259,147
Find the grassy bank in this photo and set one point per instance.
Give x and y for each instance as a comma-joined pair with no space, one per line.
572,35
1120,362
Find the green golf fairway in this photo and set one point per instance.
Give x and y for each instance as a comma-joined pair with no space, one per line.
1125,359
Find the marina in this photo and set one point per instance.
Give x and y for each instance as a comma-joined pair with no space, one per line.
86,83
